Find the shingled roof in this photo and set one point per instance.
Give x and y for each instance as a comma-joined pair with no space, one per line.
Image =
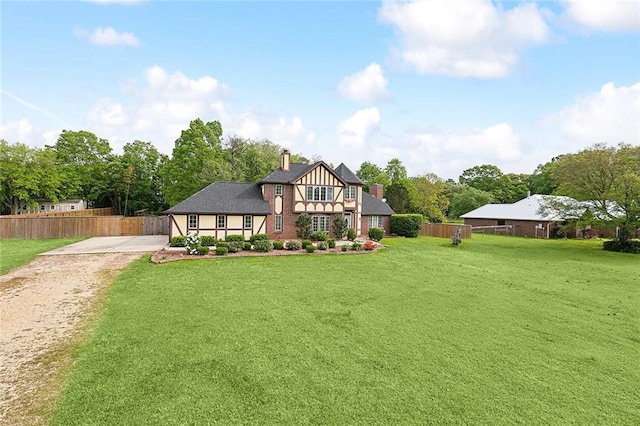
280,176
224,197
371,206
347,175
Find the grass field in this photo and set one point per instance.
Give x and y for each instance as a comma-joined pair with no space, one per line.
498,331
14,253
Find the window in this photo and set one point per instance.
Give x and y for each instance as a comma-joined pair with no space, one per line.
278,223
221,221
375,222
193,221
42,207
73,207
247,221
278,189
350,193
53,207
320,223
319,193
502,222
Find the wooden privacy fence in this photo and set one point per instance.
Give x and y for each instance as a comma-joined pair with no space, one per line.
105,211
91,226
444,230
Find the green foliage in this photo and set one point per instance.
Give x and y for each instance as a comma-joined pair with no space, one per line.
351,234
258,237
489,178
263,246
396,170
278,245
235,238
303,226
202,250
221,243
310,248
251,160
628,246
322,245
340,226
247,245
319,236
235,246
306,243
178,241
208,240
331,243
467,200
15,252
293,245
430,197
356,246
344,247
192,243
406,225
221,250
399,195
371,174
376,234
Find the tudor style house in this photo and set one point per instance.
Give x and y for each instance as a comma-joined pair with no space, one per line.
272,205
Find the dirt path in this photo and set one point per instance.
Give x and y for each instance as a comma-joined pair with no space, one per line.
43,308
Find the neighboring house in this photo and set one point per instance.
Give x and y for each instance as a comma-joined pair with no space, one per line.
523,217
48,206
272,205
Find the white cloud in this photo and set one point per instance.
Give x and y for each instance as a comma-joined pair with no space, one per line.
605,15
355,130
368,85
107,113
108,37
24,131
609,116
465,38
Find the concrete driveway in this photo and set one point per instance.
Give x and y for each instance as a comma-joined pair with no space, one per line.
144,244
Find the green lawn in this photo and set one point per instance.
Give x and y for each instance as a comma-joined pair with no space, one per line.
14,253
498,331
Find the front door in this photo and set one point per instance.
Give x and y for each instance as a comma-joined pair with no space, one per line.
347,217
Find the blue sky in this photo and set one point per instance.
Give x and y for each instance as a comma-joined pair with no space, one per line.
442,85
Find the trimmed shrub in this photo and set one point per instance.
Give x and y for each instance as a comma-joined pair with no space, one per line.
331,243
208,240
258,237
203,250
221,251
192,244
376,234
178,241
306,243
262,246
310,248
406,225
319,236
278,245
356,246
293,245
246,246
629,246
322,245
235,246
235,238
303,226
221,243
339,226
344,247
351,234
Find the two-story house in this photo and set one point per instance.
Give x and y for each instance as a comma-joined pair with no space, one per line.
272,205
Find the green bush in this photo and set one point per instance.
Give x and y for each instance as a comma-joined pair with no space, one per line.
262,246
258,237
356,246
178,241
310,248
322,245
306,243
235,238
208,240
331,243
344,247
278,245
235,246
629,246
376,234
246,246
351,234
339,226
293,245
303,226
319,236
221,243
203,250
406,225
221,250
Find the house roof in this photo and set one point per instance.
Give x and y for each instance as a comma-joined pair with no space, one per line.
371,206
295,171
224,197
526,209
347,175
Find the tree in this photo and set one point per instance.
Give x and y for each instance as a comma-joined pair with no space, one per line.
371,174
303,226
141,175
430,197
339,226
489,178
608,179
395,170
541,181
469,199
252,160
399,195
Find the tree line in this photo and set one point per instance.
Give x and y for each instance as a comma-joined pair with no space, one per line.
80,165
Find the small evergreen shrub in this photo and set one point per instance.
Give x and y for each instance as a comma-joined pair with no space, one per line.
306,243
310,248
221,244
331,243
258,237
178,241
262,246
319,236
221,250
339,226
376,234
202,250
246,246
344,247
235,238
293,245
278,245
629,246
303,226
322,245
208,240
406,225
235,246
356,246
351,234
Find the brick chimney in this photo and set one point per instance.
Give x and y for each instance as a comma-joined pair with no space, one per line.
376,190
285,160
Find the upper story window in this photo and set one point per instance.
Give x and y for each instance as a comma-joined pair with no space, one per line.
193,221
350,193
319,193
222,219
278,189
